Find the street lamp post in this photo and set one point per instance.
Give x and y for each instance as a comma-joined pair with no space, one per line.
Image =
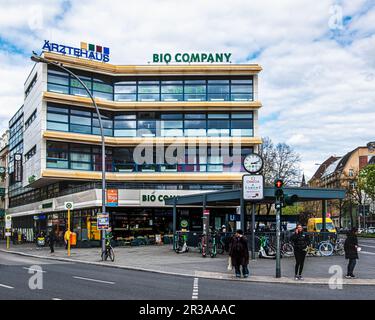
38,59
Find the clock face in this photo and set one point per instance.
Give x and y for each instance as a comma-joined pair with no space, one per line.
253,163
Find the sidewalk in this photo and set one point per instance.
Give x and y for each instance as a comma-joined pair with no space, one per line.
162,259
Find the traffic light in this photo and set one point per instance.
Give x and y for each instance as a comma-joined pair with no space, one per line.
279,183
289,200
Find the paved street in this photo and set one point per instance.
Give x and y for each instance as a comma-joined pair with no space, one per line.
62,280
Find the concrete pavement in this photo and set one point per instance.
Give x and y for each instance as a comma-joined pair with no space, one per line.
162,259
77,281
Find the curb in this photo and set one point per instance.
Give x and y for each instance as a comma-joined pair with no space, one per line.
206,274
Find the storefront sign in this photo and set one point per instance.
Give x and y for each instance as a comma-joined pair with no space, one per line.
253,186
18,167
103,221
191,58
155,198
112,197
87,50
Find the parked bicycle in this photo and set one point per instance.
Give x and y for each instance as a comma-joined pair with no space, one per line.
108,252
181,245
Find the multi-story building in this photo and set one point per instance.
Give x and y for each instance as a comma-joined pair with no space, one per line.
166,107
342,172
4,140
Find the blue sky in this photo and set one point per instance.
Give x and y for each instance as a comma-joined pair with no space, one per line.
318,57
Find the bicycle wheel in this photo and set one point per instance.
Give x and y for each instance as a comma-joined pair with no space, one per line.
213,251
111,254
288,249
326,249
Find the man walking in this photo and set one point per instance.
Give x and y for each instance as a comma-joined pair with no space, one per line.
239,254
300,241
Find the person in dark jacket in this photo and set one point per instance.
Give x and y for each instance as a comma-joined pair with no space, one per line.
351,251
52,240
300,241
239,253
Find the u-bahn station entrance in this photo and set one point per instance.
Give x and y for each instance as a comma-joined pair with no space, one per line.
246,214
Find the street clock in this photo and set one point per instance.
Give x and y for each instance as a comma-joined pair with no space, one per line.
253,163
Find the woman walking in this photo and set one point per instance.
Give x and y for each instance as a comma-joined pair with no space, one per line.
239,254
300,241
351,252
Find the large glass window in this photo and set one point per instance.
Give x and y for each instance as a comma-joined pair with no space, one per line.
80,121
126,91
125,125
57,155
148,91
172,91
242,90
195,90
242,125
218,90
77,89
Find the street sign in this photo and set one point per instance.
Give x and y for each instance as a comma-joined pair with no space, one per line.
8,234
103,221
112,197
8,222
68,205
253,187
206,212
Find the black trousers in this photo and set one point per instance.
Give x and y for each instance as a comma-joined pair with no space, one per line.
245,270
351,266
51,246
300,256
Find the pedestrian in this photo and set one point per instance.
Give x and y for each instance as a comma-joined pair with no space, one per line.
300,242
351,251
239,254
15,236
52,239
66,238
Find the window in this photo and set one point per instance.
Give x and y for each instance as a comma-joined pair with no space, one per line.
218,90
351,173
242,90
148,91
242,125
125,125
30,120
218,125
57,118
102,89
80,121
77,89
57,155
126,91
30,154
172,90
58,81
195,90
31,85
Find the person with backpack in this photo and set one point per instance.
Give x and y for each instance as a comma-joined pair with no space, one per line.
239,254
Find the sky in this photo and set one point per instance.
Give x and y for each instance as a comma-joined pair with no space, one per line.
317,86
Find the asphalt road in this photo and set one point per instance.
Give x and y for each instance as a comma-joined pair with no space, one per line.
74,281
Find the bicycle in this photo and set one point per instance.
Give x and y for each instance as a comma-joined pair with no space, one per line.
108,252
182,244
338,247
324,248
212,245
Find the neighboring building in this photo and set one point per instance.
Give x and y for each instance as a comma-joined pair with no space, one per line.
342,172
161,106
4,140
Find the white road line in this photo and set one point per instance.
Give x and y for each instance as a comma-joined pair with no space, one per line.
56,299
31,269
195,289
94,280
367,246
7,287
366,252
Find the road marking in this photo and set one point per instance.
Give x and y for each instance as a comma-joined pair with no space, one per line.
94,280
31,269
6,287
195,289
367,246
56,299
366,252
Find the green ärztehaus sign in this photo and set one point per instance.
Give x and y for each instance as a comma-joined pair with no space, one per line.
191,58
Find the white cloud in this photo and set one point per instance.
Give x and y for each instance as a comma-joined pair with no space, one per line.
317,86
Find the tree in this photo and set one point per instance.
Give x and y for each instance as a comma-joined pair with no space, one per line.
280,161
367,181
